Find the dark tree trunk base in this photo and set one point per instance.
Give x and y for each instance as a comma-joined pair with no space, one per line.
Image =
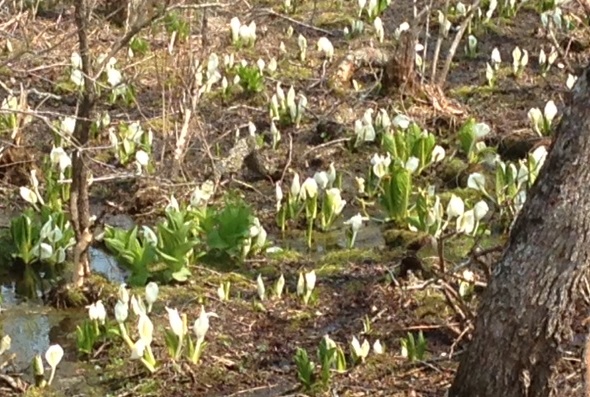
526,312
399,73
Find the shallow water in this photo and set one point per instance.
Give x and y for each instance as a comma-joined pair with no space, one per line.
33,327
103,263
369,236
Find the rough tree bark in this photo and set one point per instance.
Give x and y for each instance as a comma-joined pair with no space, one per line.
79,204
526,311
399,73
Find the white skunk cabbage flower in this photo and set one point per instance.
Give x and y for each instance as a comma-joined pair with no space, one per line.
326,46
151,294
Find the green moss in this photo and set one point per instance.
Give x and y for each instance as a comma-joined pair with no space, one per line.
399,238
333,20
298,320
355,286
149,385
469,196
333,262
431,305
198,292
45,392
286,255
292,70
64,85
453,171
6,72
466,92
76,298
159,124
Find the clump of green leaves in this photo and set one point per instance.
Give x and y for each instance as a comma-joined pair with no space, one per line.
431,217
129,140
305,368
214,234
414,349
412,143
287,109
87,336
373,8
176,240
251,79
409,151
175,23
509,185
326,356
41,238
8,119
112,77
172,245
92,329
331,358
226,230
471,142
133,251
139,46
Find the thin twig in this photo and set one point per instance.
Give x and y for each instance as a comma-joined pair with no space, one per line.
135,29
425,51
105,178
439,41
560,51
15,383
443,76
197,6
247,185
8,361
323,145
305,25
459,339
209,155
289,159
182,138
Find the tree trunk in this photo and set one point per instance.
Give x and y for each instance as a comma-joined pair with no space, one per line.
399,73
526,311
79,204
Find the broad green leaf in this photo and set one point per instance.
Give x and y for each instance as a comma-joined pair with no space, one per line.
182,274
467,137
396,194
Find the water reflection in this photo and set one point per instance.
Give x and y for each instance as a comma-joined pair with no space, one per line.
29,334
369,236
105,264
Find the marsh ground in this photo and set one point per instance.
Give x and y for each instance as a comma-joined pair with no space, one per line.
250,351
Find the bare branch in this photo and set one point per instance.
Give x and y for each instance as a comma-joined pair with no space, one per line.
439,41
443,76
133,31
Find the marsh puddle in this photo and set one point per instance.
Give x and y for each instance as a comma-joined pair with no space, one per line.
33,327
369,236
103,263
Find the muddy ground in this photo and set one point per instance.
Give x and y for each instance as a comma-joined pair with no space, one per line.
250,351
